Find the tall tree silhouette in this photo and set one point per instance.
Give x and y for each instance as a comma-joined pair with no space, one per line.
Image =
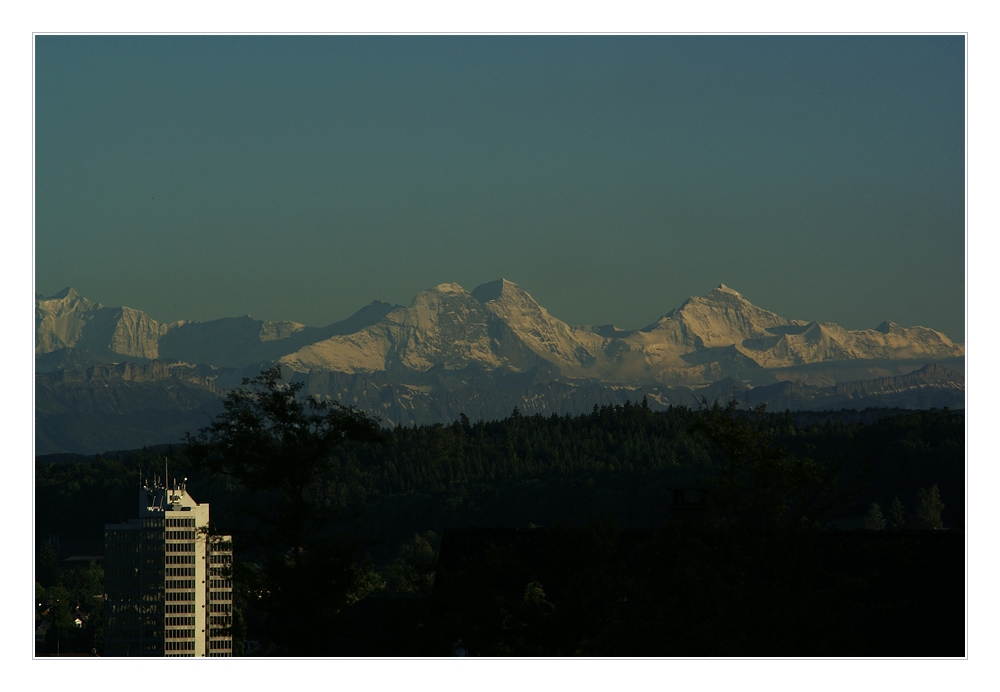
277,444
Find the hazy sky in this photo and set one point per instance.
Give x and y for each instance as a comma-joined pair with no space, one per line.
611,177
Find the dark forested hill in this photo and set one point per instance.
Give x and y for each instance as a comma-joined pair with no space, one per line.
620,461
126,405
707,491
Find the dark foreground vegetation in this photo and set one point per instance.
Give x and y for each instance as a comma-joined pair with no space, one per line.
625,532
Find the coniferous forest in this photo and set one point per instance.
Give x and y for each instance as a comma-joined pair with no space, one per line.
708,531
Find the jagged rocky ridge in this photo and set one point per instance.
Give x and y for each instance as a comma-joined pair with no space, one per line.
72,330
707,338
497,325
451,351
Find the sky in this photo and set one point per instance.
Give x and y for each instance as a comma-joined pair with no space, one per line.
611,177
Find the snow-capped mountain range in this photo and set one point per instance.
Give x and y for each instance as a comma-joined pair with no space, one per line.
115,378
498,326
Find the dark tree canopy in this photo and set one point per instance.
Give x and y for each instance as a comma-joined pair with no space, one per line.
276,444
758,483
270,437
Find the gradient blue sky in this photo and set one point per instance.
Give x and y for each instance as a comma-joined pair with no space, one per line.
611,177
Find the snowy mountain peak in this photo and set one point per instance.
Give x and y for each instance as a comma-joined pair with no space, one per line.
546,336
448,288
721,318
68,320
442,327
506,298
493,290
65,293
66,299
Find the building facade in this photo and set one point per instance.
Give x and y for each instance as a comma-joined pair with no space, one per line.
168,581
